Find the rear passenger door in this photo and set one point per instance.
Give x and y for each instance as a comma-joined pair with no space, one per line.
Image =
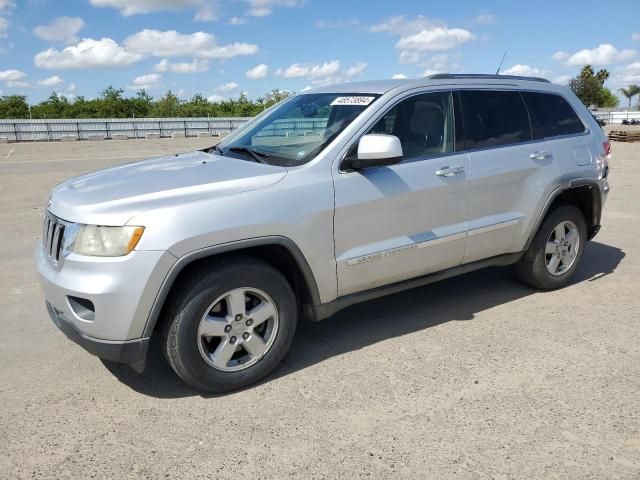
508,171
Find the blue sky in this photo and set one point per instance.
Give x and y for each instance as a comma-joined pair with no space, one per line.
223,47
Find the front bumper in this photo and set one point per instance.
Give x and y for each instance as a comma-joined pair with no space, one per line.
119,294
132,352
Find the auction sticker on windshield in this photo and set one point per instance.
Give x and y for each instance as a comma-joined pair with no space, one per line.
353,101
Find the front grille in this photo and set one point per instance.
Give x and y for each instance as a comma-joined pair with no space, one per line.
53,238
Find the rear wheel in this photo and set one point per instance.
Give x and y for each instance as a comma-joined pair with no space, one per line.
556,250
230,324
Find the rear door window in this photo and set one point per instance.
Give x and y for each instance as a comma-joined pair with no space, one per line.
551,115
494,118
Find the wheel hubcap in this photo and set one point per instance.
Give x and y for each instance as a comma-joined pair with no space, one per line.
562,248
238,329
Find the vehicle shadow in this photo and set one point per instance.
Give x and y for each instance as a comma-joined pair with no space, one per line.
396,315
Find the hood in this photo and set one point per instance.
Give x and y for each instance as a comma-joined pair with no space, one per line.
114,195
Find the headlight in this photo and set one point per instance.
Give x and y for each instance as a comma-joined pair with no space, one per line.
100,241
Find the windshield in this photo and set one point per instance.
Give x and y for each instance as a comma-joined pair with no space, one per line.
295,132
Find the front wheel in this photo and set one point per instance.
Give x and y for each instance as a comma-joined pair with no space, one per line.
230,324
556,250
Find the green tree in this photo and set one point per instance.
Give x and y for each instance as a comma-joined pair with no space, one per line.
630,92
167,106
588,86
142,103
14,106
608,99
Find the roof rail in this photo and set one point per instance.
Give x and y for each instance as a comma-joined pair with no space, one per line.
483,76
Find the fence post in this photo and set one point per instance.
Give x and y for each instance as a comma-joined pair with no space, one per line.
15,131
184,125
78,130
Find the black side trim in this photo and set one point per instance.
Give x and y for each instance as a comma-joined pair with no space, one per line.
226,248
327,309
593,224
132,352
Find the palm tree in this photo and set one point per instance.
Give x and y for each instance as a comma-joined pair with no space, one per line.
630,92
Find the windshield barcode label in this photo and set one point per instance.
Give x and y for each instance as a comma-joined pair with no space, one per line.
360,101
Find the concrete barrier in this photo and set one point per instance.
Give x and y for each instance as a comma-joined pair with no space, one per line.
204,134
68,138
4,140
178,135
120,136
95,138
152,136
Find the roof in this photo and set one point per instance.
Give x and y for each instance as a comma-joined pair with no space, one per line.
383,86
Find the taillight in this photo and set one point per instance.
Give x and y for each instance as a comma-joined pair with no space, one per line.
607,149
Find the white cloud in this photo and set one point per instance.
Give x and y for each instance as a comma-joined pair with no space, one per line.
259,71
236,21
326,73
71,87
485,19
146,81
89,53
421,36
61,29
205,8
603,54
355,70
635,36
562,79
523,70
262,8
12,75
54,81
624,76
171,44
195,66
332,24
5,6
436,39
560,56
216,98
311,71
399,76
227,87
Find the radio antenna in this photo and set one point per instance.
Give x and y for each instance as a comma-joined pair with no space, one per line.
501,61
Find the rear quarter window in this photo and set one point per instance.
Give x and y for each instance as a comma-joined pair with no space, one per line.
551,115
494,118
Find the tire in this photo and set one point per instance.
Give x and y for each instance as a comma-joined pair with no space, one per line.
216,291
535,266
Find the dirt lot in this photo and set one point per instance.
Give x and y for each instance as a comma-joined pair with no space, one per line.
475,377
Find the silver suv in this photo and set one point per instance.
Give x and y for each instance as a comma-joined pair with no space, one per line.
332,197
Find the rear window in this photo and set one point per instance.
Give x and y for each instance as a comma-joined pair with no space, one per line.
494,118
551,115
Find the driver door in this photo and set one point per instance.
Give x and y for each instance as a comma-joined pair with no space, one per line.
406,220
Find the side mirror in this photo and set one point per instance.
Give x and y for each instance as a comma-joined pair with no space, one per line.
376,150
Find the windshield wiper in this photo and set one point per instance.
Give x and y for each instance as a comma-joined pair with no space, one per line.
214,148
257,156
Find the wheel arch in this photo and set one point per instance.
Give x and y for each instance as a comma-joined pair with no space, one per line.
585,194
280,252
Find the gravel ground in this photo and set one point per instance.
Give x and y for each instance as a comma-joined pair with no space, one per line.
474,377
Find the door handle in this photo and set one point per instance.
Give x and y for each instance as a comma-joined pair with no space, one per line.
450,171
540,155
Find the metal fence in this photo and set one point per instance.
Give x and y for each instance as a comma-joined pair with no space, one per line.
119,128
110,128
616,118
